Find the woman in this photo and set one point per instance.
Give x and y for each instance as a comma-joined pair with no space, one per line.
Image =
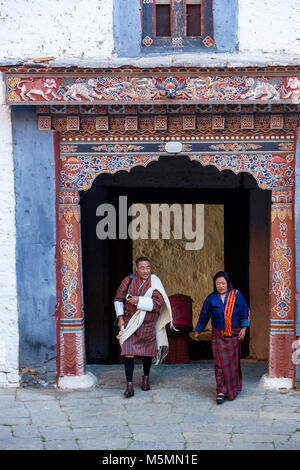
229,313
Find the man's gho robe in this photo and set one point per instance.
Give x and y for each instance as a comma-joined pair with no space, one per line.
143,341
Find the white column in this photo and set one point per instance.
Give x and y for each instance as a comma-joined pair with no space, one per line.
9,331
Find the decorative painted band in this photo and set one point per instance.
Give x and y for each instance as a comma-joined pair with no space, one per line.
168,108
170,122
282,332
42,69
276,322
282,327
79,171
148,88
72,320
204,146
69,325
200,135
71,329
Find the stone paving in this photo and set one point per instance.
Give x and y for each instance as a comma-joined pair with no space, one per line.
178,413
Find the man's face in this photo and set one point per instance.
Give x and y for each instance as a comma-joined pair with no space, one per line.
143,269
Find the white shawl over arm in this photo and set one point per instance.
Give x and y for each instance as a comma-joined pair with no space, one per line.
165,317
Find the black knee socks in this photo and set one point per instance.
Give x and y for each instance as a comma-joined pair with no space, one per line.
147,365
129,366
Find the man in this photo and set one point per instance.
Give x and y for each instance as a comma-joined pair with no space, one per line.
143,310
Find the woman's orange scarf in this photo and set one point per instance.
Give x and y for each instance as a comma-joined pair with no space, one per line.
228,313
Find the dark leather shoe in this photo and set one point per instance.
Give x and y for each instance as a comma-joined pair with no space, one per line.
220,398
129,392
145,384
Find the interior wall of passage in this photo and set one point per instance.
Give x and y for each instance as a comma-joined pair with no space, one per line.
188,272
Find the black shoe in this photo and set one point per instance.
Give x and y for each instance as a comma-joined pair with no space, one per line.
220,398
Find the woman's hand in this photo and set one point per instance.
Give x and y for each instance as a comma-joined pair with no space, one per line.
196,335
242,334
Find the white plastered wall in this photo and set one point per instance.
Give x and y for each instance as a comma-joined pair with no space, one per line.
269,27
9,332
64,29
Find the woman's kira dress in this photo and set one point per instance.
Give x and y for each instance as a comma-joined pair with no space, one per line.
143,340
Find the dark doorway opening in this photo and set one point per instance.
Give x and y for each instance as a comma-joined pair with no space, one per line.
106,262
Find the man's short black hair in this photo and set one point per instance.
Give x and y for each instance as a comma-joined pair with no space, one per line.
142,258
227,278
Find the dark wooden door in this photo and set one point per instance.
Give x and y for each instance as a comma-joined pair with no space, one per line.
95,278
105,263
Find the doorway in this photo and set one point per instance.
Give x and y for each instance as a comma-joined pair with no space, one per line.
171,180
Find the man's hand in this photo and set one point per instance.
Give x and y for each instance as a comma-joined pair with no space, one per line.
133,300
120,322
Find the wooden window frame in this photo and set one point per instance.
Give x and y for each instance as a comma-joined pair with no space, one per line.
178,39
154,21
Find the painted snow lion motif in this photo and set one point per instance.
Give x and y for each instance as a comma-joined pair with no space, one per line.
42,87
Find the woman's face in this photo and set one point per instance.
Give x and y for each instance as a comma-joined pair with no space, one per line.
221,285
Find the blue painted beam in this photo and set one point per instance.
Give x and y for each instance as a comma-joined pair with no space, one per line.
35,244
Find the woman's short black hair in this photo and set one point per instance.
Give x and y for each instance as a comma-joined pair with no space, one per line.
226,277
142,258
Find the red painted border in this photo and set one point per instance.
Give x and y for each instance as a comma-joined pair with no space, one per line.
294,264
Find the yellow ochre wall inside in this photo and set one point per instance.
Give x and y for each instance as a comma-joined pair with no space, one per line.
187,272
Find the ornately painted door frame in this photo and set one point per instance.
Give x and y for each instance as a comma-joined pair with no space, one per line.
78,171
270,158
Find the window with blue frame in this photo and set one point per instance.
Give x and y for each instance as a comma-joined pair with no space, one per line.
176,24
